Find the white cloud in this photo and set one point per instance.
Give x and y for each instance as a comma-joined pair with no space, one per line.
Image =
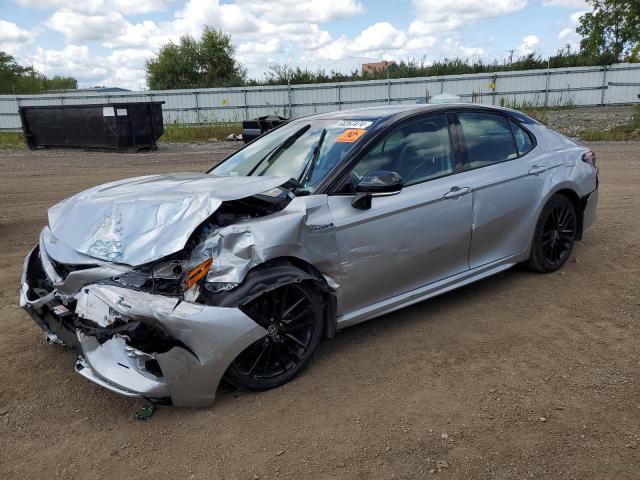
565,3
292,11
11,33
248,22
528,45
272,45
98,7
79,28
421,44
72,60
575,17
256,56
264,31
128,56
146,34
433,16
452,47
373,41
303,35
568,35
123,68
230,18
14,38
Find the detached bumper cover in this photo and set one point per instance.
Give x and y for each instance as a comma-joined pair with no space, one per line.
205,339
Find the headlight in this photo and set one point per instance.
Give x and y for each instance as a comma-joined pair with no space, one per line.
174,277
163,277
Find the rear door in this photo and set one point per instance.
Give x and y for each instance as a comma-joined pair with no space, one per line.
508,179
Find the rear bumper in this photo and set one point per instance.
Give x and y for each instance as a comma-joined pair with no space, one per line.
198,342
589,216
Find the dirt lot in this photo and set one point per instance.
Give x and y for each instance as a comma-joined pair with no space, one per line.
519,376
575,121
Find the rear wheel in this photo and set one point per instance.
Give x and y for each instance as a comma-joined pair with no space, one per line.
292,316
554,236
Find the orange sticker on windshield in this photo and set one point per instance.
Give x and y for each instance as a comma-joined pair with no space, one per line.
350,135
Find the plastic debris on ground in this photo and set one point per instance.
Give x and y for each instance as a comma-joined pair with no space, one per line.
145,412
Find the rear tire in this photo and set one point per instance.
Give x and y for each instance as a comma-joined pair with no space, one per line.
294,320
555,235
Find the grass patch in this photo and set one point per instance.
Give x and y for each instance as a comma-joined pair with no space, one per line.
538,114
209,132
12,140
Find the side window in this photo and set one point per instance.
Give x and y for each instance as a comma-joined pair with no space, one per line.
417,151
524,142
488,139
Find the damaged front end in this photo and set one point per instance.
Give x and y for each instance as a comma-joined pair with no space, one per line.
167,328
133,342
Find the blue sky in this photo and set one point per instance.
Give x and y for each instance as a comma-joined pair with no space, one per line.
106,42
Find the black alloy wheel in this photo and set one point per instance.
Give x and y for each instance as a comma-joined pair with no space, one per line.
555,235
292,317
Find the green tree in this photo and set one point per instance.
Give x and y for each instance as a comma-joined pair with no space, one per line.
16,79
612,28
209,62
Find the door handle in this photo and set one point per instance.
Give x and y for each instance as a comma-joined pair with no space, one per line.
536,169
456,192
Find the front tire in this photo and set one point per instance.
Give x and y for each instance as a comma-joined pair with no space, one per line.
292,315
555,235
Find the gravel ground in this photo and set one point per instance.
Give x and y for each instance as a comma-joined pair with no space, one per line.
521,375
574,121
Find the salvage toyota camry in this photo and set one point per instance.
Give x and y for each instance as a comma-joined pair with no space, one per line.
166,284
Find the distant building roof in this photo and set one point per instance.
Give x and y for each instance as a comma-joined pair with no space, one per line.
375,67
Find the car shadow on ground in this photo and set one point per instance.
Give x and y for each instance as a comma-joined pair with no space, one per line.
346,341
394,323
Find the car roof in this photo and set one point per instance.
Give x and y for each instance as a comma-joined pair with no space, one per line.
370,113
386,112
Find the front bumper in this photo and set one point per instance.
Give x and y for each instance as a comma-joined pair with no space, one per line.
200,341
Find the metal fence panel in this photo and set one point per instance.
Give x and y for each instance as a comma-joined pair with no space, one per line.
623,86
615,84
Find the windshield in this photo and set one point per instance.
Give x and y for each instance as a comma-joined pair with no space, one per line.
305,150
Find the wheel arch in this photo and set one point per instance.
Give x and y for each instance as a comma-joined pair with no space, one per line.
577,204
275,273
569,190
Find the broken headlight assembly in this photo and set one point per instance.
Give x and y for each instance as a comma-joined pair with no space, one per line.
172,278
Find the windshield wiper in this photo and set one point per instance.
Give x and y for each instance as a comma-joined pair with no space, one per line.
310,167
269,157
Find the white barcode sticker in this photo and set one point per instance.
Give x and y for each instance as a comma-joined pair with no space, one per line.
352,124
122,112
108,112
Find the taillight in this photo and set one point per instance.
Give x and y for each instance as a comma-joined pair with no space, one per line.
590,158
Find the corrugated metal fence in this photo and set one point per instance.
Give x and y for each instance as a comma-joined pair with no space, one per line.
610,85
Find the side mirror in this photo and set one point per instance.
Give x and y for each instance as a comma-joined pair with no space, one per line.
378,183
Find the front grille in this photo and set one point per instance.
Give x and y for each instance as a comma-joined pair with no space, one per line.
37,279
64,269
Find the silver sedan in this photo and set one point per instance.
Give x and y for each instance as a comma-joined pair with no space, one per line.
166,284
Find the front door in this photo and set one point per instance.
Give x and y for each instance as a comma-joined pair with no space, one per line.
411,239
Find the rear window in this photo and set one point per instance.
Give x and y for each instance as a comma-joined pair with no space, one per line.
523,139
488,139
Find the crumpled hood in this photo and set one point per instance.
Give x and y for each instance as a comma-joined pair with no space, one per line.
138,220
